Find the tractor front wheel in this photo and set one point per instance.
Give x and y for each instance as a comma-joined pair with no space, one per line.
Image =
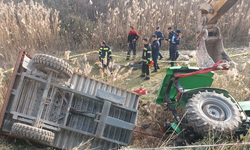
209,111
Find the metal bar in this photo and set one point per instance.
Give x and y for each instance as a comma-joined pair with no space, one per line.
28,94
61,102
14,105
90,134
90,109
136,104
11,84
50,127
81,113
25,120
17,114
22,115
114,133
70,101
103,118
110,97
149,132
71,140
29,98
223,7
51,104
52,94
23,95
45,93
83,108
31,105
84,125
56,119
118,123
79,102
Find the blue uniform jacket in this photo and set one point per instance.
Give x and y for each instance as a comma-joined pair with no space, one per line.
159,35
175,40
170,36
155,49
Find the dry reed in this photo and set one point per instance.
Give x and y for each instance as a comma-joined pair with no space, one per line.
29,25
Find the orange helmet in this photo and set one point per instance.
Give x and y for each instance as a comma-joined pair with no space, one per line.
151,63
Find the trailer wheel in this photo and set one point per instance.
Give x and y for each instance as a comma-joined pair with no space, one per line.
32,132
47,63
209,111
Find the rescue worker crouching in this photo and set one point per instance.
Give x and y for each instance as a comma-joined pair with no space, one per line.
155,52
133,36
174,46
146,59
105,51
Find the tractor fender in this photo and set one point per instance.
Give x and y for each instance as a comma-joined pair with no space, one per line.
191,92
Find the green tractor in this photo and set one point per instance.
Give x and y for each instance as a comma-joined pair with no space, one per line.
206,108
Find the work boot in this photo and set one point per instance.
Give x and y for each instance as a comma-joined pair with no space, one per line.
154,71
147,78
160,58
158,67
142,75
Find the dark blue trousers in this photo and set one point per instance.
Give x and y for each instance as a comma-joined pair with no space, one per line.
174,54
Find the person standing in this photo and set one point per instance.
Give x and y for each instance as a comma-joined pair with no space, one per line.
160,37
105,51
155,52
174,46
133,36
146,58
171,34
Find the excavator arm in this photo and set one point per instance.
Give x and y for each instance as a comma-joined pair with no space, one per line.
210,48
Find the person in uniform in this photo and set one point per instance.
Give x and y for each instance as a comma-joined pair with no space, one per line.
105,51
133,36
155,52
146,59
160,37
176,39
171,34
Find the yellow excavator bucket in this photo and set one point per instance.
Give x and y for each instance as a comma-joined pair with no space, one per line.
210,47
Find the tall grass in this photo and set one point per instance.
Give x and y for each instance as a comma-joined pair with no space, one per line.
36,27
31,26
236,81
113,18
3,88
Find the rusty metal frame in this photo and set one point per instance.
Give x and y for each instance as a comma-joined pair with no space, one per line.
20,58
150,132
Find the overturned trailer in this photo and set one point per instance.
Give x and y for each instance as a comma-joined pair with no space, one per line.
49,104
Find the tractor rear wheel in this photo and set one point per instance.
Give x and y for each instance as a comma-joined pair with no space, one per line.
209,111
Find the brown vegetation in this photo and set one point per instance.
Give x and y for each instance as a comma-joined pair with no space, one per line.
28,26
37,28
